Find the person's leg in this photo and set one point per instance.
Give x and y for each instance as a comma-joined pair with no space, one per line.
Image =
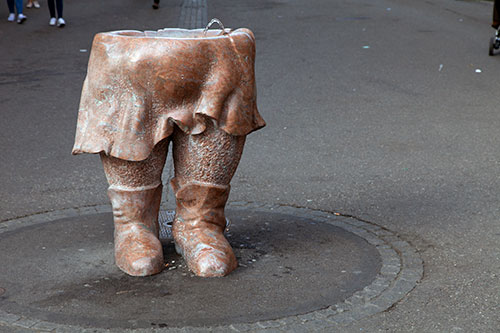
19,6
10,4
12,13
204,167
156,4
135,193
59,4
52,8
60,21
496,14
20,16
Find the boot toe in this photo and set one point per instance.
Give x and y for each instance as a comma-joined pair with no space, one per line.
146,266
210,265
207,261
139,256
142,266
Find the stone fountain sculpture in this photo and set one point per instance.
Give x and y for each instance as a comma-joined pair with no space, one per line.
143,90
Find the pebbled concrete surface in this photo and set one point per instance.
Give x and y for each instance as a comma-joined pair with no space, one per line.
383,133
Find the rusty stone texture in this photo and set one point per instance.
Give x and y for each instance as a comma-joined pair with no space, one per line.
132,174
139,84
138,250
198,228
144,90
211,157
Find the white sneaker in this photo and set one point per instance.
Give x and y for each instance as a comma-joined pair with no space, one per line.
52,21
36,4
11,17
60,22
21,18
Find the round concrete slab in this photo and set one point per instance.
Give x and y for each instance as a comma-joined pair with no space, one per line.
62,272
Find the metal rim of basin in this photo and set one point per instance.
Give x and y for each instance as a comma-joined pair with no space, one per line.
401,270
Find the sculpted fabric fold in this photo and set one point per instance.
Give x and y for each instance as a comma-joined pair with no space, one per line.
139,84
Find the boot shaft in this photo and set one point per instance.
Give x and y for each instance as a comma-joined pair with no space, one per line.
200,204
136,206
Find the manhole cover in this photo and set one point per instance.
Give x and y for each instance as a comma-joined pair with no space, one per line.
292,262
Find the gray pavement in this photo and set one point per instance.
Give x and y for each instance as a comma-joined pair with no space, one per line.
281,284
383,110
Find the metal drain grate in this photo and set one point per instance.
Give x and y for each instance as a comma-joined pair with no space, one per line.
165,219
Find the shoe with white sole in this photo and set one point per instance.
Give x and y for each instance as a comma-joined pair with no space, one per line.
52,21
36,4
21,18
60,22
12,17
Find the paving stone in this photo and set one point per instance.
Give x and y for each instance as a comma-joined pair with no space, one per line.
342,318
381,280
355,300
385,301
306,317
58,215
402,246
356,223
67,329
25,322
410,275
8,318
372,228
269,330
391,260
370,293
242,327
389,270
46,326
341,308
402,286
388,252
412,262
298,328
325,313
365,311
220,329
269,324
362,232
377,288
382,232
289,321
320,325
390,238
375,241
343,225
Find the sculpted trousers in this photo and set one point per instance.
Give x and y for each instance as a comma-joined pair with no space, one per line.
204,166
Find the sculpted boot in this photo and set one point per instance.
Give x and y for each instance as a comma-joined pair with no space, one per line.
138,250
198,228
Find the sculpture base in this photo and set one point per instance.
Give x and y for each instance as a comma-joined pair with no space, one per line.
61,272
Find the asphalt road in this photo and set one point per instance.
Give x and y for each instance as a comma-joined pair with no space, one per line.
381,109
